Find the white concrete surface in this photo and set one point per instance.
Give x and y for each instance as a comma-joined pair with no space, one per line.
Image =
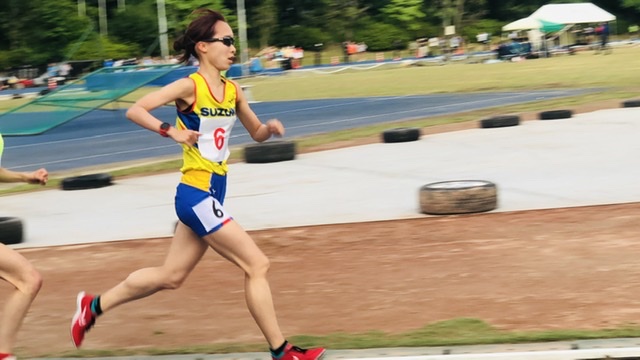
590,159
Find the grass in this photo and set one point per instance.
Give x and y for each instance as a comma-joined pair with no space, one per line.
616,73
455,332
617,70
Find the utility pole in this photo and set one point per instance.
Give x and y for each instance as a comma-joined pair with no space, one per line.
82,8
102,16
242,31
162,30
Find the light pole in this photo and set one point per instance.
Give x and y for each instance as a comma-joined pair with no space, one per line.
102,17
242,31
162,30
82,8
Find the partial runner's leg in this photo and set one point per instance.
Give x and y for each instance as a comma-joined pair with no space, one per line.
20,273
185,252
233,243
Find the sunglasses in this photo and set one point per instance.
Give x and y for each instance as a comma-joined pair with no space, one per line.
227,40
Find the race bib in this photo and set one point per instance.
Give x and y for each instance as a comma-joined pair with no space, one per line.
214,141
211,213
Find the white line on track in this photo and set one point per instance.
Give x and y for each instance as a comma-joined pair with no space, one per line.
94,156
76,139
363,100
389,113
605,353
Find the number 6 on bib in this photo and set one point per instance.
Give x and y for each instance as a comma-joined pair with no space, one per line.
211,213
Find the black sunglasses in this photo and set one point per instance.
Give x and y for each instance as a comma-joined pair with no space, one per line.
227,40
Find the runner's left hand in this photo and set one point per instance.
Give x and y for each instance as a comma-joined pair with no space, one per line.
275,127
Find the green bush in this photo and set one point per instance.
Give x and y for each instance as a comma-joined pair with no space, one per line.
304,37
489,26
381,36
104,48
16,57
4,60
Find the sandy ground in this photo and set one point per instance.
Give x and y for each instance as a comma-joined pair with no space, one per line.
561,268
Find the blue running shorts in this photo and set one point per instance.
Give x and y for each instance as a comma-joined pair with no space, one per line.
200,210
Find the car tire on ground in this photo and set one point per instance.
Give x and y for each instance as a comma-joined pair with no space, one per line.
11,230
458,197
500,121
400,135
268,152
631,103
555,114
91,181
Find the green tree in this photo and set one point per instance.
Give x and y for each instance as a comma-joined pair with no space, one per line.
100,47
406,13
632,4
137,26
452,12
38,31
343,17
381,36
304,37
265,20
179,12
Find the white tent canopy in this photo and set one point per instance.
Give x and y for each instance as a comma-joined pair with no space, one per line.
575,13
527,23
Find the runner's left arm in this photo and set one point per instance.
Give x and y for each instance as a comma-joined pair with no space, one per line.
259,131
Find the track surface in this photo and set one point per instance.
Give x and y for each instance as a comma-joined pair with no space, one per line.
105,137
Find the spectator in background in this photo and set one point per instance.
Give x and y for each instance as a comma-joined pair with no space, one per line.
604,35
297,54
397,47
345,51
352,49
52,70
602,31
65,70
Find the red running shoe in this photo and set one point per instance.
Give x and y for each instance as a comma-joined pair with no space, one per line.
83,319
296,353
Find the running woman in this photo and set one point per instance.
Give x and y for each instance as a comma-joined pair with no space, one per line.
207,106
17,271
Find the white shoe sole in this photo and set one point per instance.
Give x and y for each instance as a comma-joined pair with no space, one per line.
76,315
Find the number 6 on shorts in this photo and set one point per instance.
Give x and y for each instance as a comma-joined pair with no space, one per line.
211,214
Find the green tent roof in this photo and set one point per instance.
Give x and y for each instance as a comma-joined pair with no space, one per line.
548,26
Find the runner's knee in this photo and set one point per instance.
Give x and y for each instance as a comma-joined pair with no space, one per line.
259,267
174,280
31,282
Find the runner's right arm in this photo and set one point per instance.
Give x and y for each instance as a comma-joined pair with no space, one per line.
39,176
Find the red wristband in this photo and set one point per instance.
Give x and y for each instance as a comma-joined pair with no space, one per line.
164,128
